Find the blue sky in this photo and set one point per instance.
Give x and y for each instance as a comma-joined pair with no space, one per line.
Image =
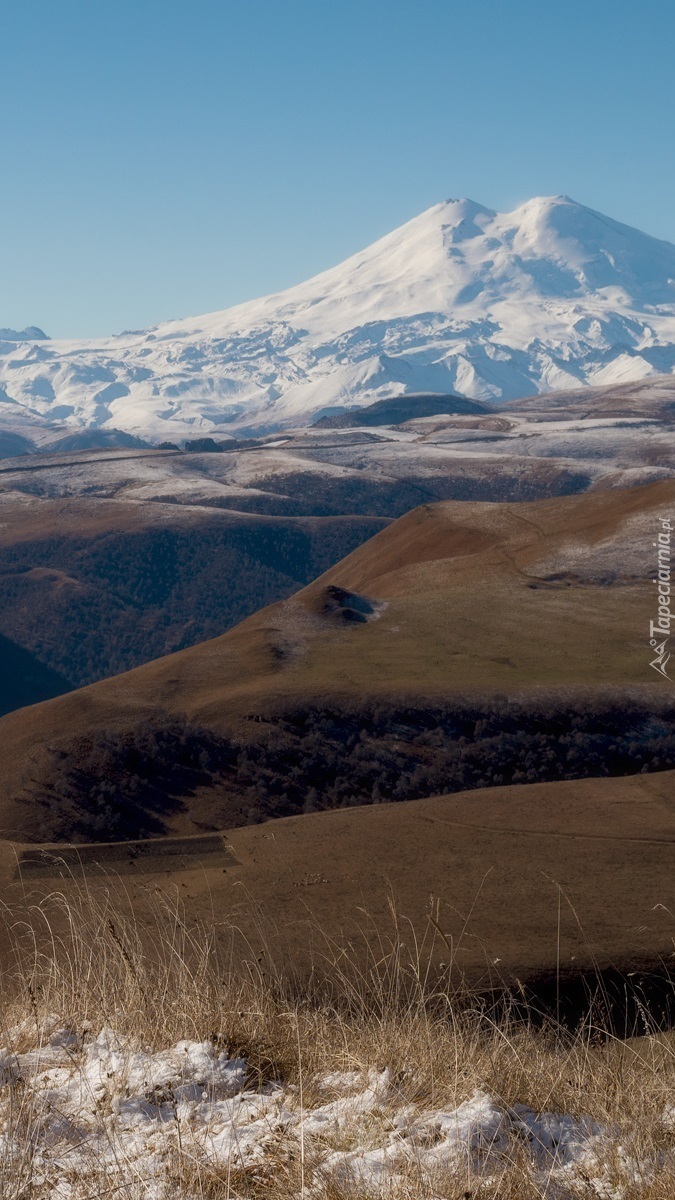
163,158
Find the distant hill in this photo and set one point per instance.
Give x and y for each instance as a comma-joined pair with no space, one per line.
94,439
395,409
12,444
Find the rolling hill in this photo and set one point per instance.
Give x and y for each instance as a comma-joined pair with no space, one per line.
94,586
464,645
547,885
109,558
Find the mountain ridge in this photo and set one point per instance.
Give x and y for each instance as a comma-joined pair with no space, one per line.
463,299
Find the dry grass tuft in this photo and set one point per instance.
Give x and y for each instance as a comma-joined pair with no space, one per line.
82,965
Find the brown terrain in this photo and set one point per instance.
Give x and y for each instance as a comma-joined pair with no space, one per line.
94,585
653,398
487,663
519,882
112,557
453,600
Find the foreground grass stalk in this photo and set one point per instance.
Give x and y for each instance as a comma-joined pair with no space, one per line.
145,1056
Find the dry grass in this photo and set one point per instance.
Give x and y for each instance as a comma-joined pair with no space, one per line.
80,964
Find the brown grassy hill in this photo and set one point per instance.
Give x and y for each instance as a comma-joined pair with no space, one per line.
520,881
111,558
496,862
652,398
465,645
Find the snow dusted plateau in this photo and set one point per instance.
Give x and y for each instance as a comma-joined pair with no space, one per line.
494,306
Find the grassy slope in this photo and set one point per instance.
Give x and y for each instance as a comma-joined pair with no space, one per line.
500,854
491,865
549,595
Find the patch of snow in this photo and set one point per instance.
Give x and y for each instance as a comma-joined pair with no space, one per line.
104,1105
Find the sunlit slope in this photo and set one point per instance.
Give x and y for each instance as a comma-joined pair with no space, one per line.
452,600
522,882
555,592
495,862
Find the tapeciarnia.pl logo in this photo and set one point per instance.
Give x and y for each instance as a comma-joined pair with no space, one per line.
659,630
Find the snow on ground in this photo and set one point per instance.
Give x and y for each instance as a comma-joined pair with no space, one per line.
94,1105
596,446
485,457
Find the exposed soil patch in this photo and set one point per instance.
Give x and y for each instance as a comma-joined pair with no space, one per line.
343,605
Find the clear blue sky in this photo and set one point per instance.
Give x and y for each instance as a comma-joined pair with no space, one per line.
163,158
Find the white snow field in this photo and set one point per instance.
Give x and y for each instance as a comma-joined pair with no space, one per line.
494,306
611,436
101,1116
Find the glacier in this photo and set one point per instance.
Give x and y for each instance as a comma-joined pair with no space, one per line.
493,306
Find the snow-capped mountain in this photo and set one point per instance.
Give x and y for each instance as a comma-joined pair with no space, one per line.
30,334
461,299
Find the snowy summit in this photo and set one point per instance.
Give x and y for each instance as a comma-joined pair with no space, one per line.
494,306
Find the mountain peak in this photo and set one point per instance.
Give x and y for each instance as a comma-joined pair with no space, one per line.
30,334
461,299
463,207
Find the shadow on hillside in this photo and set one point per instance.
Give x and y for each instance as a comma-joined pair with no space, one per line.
121,785
635,1000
